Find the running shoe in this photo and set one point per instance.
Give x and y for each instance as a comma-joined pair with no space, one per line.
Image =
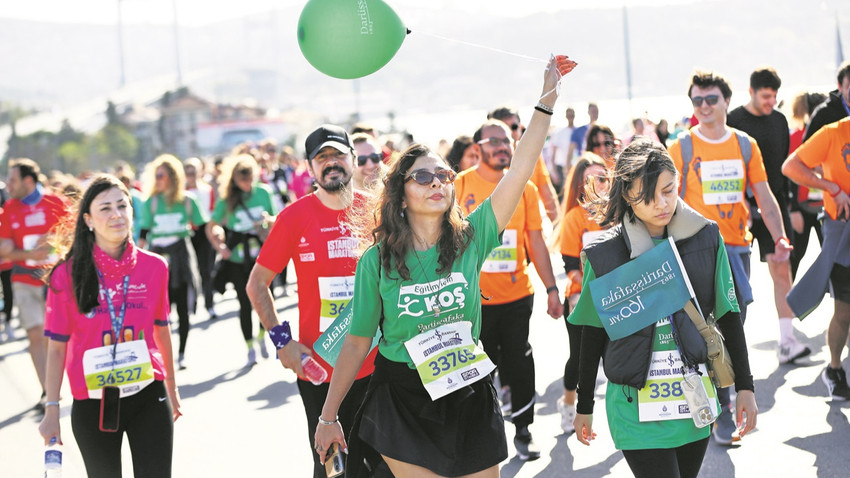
568,414
252,357
836,383
791,351
212,314
725,431
526,449
181,363
264,351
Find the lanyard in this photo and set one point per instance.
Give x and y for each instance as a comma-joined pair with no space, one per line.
117,321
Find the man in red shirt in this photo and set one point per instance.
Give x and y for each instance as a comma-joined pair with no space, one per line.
27,217
312,233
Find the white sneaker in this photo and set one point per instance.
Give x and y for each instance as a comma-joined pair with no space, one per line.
252,357
264,351
568,414
181,363
791,351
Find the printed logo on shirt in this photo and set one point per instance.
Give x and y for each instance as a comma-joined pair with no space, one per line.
307,257
341,248
303,242
469,203
442,295
35,219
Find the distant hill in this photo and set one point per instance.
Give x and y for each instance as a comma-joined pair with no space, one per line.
258,57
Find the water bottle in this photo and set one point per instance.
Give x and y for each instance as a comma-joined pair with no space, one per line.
53,459
312,370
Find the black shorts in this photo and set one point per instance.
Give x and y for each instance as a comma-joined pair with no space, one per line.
762,234
840,280
458,434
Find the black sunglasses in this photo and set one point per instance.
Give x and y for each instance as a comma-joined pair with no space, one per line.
710,99
425,178
374,157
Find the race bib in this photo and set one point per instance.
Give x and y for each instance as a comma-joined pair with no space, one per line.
722,181
334,294
131,371
447,359
504,257
662,398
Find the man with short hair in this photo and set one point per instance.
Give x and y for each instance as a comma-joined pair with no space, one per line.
836,107
26,220
368,161
505,281
578,141
718,165
559,143
540,177
769,128
312,233
829,148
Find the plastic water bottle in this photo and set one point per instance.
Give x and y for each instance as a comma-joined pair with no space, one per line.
312,370
53,460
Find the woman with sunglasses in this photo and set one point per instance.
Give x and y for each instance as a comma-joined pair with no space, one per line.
601,142
577,230
418,283
167,220
243,212
87,326
649,412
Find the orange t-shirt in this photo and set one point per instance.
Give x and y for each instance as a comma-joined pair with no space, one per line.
504,276
577,229
830,147
717,182
540,177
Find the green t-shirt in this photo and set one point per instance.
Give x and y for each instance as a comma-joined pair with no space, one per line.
627,431
259,201
427,300
170,222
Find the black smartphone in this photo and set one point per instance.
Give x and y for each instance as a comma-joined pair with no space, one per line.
110,407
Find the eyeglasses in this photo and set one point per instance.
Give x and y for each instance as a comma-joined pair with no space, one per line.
424,177
374,157
710,99
495,142
514,126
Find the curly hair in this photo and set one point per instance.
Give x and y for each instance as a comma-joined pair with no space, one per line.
394,235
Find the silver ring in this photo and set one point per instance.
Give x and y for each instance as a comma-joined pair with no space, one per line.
318,447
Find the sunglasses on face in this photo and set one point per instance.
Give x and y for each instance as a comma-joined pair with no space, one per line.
495,142
425,178
245,173
710,99
374,157
514,126
160,175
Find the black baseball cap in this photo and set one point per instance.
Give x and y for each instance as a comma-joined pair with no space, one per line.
327,135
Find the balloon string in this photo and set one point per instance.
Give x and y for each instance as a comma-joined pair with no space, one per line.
557,87
476,45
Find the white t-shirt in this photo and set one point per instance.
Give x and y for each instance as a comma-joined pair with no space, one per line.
561,140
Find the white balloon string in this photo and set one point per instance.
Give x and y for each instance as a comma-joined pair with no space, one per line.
557,87
476,45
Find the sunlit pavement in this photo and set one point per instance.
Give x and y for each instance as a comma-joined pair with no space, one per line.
241,421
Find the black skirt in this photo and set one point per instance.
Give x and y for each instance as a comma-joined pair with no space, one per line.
458,434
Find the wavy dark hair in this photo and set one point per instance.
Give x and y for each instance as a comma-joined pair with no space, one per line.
80,252
642,162
393,233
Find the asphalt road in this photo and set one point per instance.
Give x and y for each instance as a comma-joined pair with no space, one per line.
241,421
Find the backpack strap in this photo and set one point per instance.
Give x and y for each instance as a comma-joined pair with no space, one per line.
686,146
746,154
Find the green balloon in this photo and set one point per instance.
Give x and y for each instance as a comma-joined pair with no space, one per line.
349,38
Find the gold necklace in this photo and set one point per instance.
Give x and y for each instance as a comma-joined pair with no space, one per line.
437,308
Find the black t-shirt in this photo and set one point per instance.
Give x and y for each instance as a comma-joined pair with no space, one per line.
772,135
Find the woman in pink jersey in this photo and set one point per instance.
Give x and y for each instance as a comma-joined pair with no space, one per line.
107,321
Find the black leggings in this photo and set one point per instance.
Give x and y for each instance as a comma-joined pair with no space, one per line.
571,369
6,279
504,334
145,417
682,462
179,296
